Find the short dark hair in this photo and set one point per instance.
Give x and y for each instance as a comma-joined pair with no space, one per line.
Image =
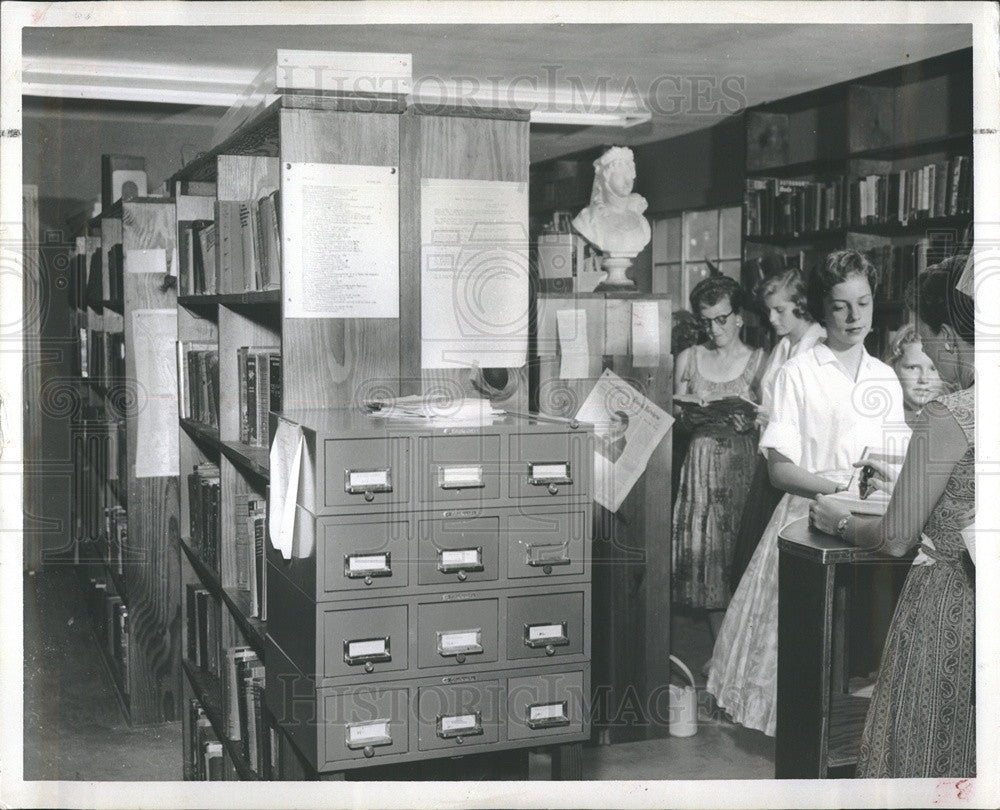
836,268
934,298
793,283
711,290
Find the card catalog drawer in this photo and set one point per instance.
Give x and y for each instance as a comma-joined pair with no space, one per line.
457,633
364,556
548,544
547,465
364,640
365,723
545,626
545,705
458,469
451,550
458,715
365,471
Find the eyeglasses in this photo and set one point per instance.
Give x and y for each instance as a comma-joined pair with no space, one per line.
718,320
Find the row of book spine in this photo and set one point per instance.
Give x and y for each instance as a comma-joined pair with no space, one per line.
250,527
899,264
243,707
238,251
109,615
259,377
205,761
782,207
204,497
198,381
102,354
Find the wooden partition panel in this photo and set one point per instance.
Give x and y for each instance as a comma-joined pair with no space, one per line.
152,573
631,570
456,144
335,361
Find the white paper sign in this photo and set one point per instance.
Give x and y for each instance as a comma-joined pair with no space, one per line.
287,449
628,427
474,273
154,333
645,334
341,227
571,325
151,260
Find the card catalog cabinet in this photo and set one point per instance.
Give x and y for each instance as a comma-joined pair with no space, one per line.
437,600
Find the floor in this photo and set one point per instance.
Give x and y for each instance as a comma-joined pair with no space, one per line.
74,728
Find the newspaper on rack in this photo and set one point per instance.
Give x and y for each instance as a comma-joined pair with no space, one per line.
437,409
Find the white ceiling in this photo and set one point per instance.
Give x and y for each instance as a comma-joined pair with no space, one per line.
205,68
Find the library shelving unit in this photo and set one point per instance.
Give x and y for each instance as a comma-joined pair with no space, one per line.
881,164
125,509
326,363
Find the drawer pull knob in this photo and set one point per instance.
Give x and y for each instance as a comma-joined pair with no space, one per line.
369,580
459,740
547,569
553,489
550,650
369,751
369,666
369,495
460,658
462,576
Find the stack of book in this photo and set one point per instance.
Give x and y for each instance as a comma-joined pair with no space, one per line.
249,242
259,377
243,701
250,514
198,381
204,748
203,492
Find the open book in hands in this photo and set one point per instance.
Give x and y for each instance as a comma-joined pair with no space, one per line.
720,404
862,496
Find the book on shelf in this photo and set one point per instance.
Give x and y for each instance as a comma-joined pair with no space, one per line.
256,520
82,342
200,734
249,670
256,739
193,598
249,244
203,496
198,381
214,765
230,689
121,641
259,391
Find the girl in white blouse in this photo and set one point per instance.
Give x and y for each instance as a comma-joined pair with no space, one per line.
830,403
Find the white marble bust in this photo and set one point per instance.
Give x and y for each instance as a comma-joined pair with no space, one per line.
613,222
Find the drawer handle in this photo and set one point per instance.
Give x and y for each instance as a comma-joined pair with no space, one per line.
367,651
548,474
367,735
547,715
461,477
457,726
460,560
368,482
546,556
546,634
366,566
460,643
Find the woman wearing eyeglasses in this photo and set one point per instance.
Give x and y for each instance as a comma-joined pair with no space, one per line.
830,404
715,476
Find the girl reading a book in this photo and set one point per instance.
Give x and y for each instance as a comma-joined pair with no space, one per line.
922,718
830,403
783,296
715,475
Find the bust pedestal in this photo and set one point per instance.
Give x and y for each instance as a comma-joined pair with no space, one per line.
615,267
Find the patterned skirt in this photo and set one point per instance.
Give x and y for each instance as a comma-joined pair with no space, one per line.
922,718
715,480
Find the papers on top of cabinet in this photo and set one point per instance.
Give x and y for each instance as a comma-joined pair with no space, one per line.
437,409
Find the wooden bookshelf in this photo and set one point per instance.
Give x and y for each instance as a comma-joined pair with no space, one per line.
893,121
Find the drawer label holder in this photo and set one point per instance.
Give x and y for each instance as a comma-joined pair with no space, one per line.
459,725
465,477
359,566
460,642
545,634
366,650
460,559
548,715
541,555
366,482
546,473
373,732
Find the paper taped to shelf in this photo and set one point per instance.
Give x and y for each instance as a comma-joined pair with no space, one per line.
573,349
154,333
645,334
151,260
286,459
